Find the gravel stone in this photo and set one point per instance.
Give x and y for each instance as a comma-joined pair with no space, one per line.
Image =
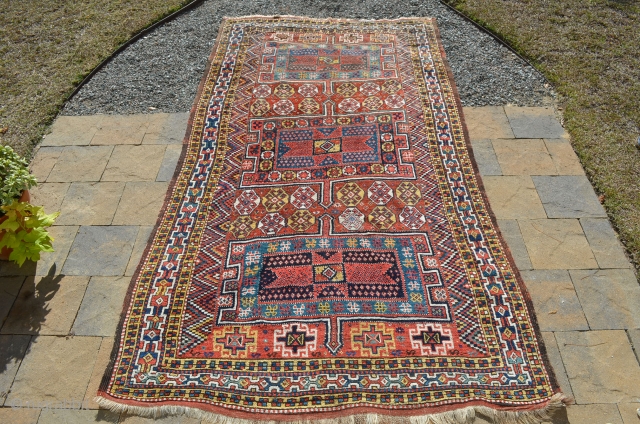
161,72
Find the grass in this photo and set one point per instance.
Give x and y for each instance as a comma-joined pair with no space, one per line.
48,46
590,51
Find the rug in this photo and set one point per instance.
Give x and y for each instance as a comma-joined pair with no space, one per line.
326,251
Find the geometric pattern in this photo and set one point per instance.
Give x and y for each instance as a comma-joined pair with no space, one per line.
326,248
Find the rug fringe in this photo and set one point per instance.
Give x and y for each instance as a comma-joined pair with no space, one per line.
459,416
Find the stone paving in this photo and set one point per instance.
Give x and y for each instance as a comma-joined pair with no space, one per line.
108,176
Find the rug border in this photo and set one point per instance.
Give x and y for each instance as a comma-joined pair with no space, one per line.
494,221
443,412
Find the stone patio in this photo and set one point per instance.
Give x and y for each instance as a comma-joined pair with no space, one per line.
109,174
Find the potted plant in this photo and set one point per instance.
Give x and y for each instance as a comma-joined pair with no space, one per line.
22,225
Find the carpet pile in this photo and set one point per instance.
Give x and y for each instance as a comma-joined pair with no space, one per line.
326,253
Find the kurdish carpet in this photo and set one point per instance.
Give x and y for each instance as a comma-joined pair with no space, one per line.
326,251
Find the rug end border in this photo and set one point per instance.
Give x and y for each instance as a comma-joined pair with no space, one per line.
465,415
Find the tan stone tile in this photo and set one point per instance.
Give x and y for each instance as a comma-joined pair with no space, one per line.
43,161
19,415
134,163
9,289
12,350
171,131
141,203
594,414
77,164
610,298
90,203
604,243
102,361
46,305
74,416
556,244
154,133
72,130
487,122
123,129
513,197
634,336
600,365
630,412
564,157
555,301
553,354
49,196
51,263
524,157
138,249
55,370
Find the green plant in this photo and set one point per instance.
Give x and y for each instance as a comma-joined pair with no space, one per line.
14,176
24,231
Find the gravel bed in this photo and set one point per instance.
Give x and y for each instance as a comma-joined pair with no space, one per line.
161,72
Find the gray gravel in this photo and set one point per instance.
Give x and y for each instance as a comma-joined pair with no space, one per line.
161,72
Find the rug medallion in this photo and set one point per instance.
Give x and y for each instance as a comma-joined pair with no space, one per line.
326,249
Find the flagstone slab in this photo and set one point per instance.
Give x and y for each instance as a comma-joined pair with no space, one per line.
19,415
172,130
102,361
50,196
46,305
634,336
556,244
595,413
604,243
141,203
513,197
563,156
43,162
101,251
600,365
485,158
12,350
169,162
524,157
72,130
630,412
101,307
555,359
90,203
80,163
555,301
510,231
138,249
134,163
9,289
74,416
67,360
125,129
51,263
610,298
488,122
569,196
534,122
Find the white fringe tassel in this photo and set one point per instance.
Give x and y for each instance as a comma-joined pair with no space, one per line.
459,416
